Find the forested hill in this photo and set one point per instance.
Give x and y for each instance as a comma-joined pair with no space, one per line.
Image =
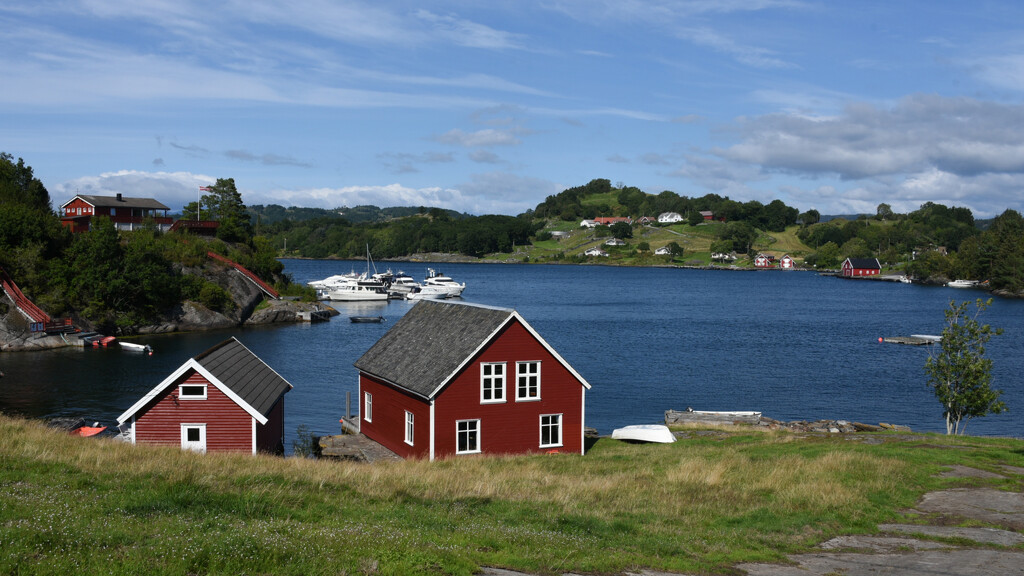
273,213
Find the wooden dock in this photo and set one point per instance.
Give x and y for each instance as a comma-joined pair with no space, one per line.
355,447
913,340
709,417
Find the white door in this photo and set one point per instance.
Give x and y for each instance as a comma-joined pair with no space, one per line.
193,437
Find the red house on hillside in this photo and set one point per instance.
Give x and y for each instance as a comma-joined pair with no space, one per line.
126,213
855,267
452,378
225,399
609,220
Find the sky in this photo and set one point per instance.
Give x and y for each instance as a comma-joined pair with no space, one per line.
490,107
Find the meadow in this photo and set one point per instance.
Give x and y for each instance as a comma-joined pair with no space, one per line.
716,497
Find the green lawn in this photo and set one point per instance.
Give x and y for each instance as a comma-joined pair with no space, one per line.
87,506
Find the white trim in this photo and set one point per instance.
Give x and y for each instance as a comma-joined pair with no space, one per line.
432,426
185,383
540,437
503,387
367,411
479,440
513,315
253,435
528,374
410,428
583,421
191,364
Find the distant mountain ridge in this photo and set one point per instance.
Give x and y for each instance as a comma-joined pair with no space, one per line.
273,213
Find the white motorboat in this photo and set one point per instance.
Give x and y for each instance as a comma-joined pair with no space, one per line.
962,284
428,292
435,278
359,290
403,284
136,347
645,433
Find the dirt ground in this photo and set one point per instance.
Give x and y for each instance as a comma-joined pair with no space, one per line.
943,547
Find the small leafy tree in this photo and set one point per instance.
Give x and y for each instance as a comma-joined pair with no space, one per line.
960,374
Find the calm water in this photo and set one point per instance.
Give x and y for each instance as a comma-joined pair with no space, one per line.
793,345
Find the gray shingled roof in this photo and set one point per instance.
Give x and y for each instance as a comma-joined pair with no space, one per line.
124,202
865,263
245,374
429,343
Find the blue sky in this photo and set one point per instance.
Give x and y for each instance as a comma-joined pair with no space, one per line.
491,107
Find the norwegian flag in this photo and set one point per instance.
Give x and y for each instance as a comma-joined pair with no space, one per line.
204,188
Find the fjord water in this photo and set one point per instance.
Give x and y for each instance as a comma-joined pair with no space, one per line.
793,345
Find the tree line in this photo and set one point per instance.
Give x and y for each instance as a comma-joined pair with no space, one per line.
117,280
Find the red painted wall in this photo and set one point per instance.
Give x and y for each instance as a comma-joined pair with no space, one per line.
228,426
388,425
78,207
511,427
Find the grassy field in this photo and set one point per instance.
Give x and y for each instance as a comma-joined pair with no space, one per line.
86,506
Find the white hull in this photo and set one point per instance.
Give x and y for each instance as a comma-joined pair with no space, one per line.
428,293
645,433
963,284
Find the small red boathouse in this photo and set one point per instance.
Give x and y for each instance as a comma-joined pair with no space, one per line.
225,399
453,379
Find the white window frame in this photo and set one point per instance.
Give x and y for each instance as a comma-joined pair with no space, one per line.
367,406
557,425
410,427
459,433
520,374
497,382
183,396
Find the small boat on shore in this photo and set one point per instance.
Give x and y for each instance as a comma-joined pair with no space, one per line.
644,433
963,284
366,319
88,431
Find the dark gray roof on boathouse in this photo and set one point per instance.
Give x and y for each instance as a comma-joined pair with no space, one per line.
245,374
429,344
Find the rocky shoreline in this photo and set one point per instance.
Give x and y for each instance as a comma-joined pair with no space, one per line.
248,307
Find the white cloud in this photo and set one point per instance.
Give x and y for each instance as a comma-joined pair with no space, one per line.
467,33
486,137
174,189
958,135
491,193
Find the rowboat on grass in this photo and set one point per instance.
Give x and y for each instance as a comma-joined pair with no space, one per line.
644,433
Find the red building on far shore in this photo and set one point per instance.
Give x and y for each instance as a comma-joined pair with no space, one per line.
125,213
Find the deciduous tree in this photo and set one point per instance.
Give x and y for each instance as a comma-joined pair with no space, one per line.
959,373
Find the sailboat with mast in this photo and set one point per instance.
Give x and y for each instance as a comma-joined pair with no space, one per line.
362,288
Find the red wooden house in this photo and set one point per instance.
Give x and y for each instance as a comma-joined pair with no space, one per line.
225,399
764,261
450,379
855,267
126,213
787,262
609,220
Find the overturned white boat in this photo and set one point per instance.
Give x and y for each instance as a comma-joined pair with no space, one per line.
644,433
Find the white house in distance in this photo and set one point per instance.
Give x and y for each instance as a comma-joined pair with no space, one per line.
595,252
614,242
669,217
588,224
663,251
